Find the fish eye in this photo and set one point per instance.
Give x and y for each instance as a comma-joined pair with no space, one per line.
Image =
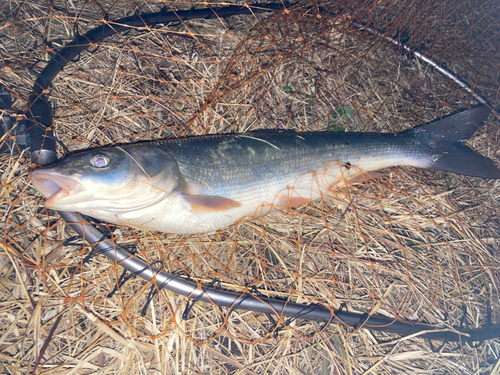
99,161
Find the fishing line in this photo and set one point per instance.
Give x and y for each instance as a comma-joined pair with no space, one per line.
136,162
261,140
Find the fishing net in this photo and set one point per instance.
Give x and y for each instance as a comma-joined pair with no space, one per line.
413,244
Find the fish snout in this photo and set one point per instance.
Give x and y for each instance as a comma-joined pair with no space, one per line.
52,185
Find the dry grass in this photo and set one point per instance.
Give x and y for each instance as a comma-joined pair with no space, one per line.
420,245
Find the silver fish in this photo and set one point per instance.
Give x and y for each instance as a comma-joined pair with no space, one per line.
202,184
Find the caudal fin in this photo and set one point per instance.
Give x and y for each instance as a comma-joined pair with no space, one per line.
446,137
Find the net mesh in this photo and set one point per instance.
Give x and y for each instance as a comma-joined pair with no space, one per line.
414,244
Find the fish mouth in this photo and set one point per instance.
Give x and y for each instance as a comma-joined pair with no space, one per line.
53,186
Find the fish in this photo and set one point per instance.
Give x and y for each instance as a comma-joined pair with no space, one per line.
201,184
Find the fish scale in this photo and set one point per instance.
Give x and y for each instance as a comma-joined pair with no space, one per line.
281,159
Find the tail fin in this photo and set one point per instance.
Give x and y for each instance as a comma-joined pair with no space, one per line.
446,136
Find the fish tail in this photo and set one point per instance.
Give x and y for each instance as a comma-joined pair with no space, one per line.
447,151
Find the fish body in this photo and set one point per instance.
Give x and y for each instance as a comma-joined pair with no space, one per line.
202,184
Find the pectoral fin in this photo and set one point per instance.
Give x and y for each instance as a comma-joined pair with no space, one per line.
207,203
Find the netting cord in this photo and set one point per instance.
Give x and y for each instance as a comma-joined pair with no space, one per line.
445,72
249,302
191,289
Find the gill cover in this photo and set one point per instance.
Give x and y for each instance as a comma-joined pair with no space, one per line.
158,166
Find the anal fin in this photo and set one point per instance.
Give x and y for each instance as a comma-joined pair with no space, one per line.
365,176
290,202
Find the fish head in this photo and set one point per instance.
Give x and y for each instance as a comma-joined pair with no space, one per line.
111,179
